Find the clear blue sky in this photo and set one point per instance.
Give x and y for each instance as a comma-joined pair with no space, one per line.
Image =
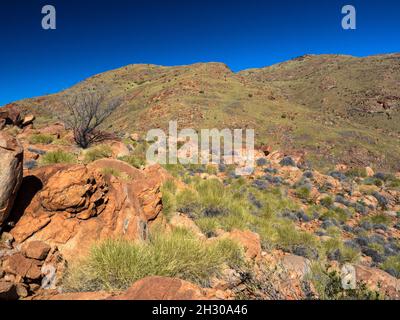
93,36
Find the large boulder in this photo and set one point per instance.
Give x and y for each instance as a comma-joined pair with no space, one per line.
10,115
11,173
379,280
73,206
162,288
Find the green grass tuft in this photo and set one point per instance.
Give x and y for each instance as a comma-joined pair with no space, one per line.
59,156
116,264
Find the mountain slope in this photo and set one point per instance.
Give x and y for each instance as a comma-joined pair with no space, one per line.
332,108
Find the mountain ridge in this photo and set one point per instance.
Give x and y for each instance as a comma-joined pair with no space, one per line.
336,108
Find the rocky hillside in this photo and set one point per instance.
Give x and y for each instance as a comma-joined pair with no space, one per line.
335,109
101,224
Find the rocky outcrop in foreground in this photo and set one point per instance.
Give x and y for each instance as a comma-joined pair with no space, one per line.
11,158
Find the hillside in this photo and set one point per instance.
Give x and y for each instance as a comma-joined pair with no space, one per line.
335,109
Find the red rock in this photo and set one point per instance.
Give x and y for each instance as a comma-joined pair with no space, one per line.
298,265
36,250
162,288
74,296
10,115
8,291
11,173
249,240
378,280
72,206
28,120
18,265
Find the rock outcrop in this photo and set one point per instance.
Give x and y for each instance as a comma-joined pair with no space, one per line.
11,172
72,206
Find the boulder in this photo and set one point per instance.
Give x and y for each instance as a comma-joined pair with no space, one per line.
369,171
379,280
28,120
10,115
297,265
8,291
162,288
73,296
249,240
72,206
18,265
11,173
36,250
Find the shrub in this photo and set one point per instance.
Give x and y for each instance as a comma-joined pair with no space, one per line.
392,266
327,202
116,264
97,153
59,156
380,219
356,172
303,193
41,139
289,238
112,172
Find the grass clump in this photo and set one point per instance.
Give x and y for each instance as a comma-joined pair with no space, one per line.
59,156
116,264
41,139
380,219
392,266
97,153
168,191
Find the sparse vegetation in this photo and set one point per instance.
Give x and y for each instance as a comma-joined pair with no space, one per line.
97,153
59,156
41,139
87,111
116,264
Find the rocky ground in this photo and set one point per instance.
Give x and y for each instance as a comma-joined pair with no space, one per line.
304,234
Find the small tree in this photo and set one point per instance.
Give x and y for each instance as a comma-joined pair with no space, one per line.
87,110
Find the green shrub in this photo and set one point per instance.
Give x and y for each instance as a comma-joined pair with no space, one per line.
347,254
59,156
380,219
116,264
112,172
97,153
41,139
327,202
356,172
303,193
288,238
134,161
392,265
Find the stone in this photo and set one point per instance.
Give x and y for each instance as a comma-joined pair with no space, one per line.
249,240
28,120
162,288
74,296
72,206
379,280
369,171
183,221
11,173
10,115
18,265
22,290
8,291
300,266
36,250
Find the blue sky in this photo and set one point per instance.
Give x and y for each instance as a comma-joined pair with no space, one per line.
94,36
